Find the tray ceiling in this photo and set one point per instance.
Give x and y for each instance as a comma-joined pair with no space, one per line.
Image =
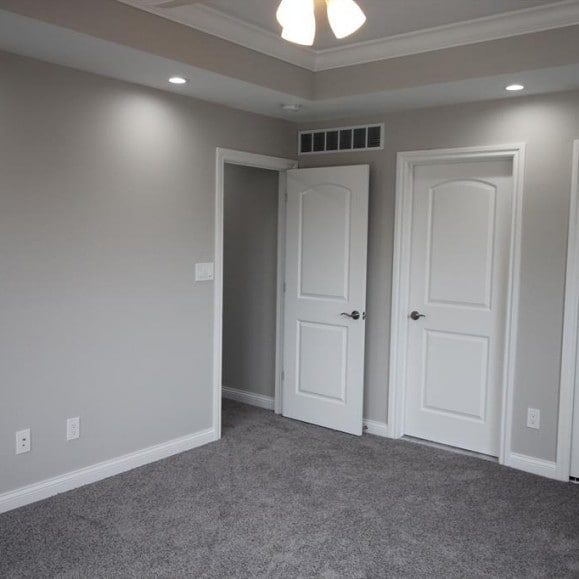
394,27
385,17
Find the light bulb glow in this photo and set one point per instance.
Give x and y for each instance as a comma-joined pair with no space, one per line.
298,21
514,87
303,34
283,13
177,80
291,13
345,17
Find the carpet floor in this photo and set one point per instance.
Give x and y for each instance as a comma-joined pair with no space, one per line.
278,498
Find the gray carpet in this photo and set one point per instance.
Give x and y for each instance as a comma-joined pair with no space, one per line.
278,498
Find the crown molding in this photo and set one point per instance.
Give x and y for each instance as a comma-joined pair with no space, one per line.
216,23
505,25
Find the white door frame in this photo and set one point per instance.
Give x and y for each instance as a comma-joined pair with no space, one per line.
570,331
245,159
406,163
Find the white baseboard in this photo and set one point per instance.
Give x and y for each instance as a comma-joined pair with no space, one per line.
259,400
533,465
71,480
376,428
267,402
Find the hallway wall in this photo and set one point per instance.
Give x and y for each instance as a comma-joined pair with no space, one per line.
250,278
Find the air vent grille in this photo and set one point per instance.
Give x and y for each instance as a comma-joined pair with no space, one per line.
341,139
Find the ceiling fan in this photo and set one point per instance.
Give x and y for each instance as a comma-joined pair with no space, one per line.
297,17
298,20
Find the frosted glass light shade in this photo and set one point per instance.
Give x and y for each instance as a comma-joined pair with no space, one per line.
298,21
303,34
292,13
345,17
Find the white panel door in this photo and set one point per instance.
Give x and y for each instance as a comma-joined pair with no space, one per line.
458,286
325,299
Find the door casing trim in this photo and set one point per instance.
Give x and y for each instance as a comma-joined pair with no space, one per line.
406,162
245,159
567,389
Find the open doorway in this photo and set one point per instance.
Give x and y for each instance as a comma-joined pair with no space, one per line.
250,261
320,286
249,249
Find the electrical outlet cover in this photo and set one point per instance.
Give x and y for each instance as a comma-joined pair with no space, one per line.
23,441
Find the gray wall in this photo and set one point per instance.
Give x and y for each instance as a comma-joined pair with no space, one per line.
106,203
548,124
160,36
512,55
250,278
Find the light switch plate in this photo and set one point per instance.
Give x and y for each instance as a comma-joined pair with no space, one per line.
73,428
533,418
203,271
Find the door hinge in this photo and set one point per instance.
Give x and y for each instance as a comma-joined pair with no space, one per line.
284,287
282,376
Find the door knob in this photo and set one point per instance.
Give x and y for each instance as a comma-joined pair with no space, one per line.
355,315
416,315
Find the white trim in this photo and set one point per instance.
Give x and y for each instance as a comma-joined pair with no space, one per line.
494,27
234,157
406,163
280,293
512,312
533,465
247,397
570,330
267,402
375,427
217,23
96,472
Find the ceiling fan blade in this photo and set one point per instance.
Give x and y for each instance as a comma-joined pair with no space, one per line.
178,3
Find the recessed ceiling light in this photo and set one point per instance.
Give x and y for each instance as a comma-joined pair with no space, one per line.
514,87
177,80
